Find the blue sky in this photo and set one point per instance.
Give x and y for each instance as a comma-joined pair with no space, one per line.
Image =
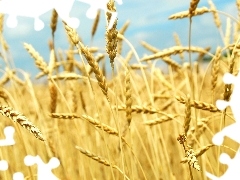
148,22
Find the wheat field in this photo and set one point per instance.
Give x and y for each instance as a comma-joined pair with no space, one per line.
134,121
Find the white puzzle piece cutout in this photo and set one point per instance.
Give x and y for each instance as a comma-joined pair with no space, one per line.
233,172
8,132
18,176
232,131
8,141
44,170
35,8
3,165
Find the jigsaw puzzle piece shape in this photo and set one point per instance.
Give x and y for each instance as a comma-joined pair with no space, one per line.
234,101
221,104
44,170
94,7
18,176
63,8
36,8
3,165
229,78
232,131
8,132
232,173
25,8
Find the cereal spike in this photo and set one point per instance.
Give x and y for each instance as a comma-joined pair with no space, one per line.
100,160
193,6
192,159
185,14
64,115
171,62
111,34
215,14
95,24
199,104
198,152
215,68
40,63
187,119
93,156
16,116
139,109
53,96
128,95
106,128
89,57
238,7
54,20
1,23
172,51
72,34
98,73
160,120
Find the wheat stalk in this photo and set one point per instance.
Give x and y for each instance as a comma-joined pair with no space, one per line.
72,34
95,23
98,58
185,14
199,104
99,159
93,156
53,96
16,116
52,60
138,66
128,95
98,73
215,14
1,22
191,158
54,20
178,43
64,115
238,7
187,118
89,57
95,122
171,62
172,51
67,76
228,32
40,63
198,152
111,34
160,120
215,68
193,6
138,109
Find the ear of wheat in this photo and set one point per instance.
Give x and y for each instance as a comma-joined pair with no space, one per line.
111,34
16,116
